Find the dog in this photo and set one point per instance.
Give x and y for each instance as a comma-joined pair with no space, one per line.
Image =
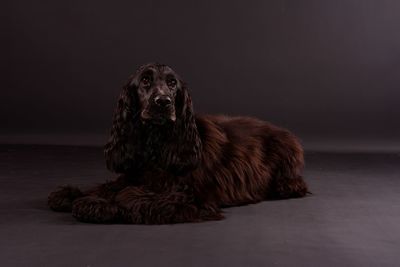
176,166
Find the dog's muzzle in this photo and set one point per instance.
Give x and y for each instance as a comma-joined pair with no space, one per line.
160,110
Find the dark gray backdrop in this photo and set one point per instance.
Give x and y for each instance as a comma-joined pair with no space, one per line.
327,70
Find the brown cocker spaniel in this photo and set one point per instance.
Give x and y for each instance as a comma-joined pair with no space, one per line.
176,166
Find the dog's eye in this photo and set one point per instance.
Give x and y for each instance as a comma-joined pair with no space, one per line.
145,80
171,82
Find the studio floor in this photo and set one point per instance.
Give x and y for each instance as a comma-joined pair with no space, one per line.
352,218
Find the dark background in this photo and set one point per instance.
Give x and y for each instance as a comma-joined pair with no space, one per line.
327,70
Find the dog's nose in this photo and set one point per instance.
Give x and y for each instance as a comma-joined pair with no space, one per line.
162,100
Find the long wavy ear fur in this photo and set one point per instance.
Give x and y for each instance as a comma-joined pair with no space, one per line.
188,154
119,149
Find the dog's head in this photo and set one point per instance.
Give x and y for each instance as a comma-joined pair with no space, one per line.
154,123
160,93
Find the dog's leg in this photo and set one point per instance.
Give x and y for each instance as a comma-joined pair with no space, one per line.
286,155
62,198
143,206
98,205
96,210
283,188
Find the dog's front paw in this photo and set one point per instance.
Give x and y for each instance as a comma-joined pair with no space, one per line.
95,210
62,198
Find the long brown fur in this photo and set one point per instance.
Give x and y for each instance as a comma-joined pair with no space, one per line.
187,170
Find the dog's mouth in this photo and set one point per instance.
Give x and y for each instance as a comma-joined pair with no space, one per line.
157,117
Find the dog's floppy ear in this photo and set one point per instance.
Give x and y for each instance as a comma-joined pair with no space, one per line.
119,150
184,102
188,145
